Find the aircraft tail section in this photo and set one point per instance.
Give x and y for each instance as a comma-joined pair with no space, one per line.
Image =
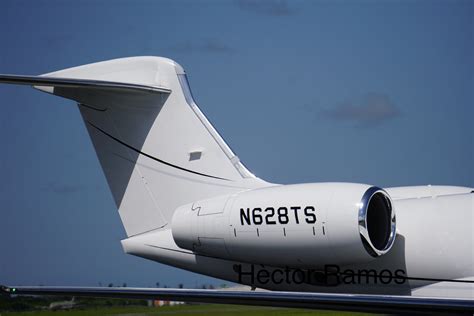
157,150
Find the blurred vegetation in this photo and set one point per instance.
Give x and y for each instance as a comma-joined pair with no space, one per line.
24,305
35,303
102,307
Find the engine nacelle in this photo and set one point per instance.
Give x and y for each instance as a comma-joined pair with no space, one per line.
303,225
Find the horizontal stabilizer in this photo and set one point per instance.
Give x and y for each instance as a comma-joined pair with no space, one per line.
97,93
79,83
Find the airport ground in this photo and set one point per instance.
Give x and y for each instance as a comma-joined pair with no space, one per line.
194,310
26,306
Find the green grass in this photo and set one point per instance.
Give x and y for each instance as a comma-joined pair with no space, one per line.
194,310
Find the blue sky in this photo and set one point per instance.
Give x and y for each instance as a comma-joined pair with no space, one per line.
376,92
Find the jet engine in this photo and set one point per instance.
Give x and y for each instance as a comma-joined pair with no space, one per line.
303,225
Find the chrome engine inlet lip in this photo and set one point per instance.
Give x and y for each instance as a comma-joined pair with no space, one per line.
363,230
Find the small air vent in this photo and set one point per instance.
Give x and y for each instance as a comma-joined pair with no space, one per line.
195,155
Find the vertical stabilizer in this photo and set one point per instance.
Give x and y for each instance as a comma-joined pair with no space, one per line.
157,149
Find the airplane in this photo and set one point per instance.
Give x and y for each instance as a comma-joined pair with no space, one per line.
63,305
186,200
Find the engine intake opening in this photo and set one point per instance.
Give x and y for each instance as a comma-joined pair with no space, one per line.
377,224
379,221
